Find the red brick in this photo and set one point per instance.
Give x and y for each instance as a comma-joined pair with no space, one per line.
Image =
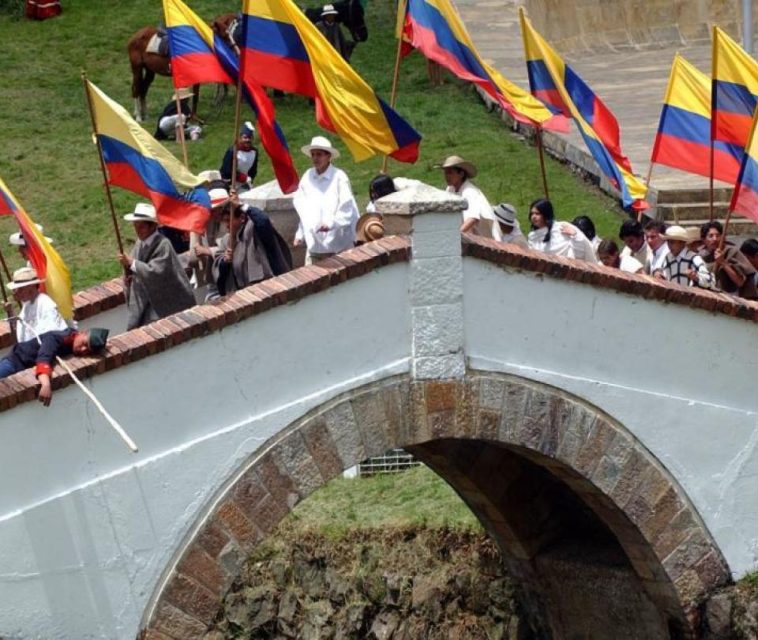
191,598
200,567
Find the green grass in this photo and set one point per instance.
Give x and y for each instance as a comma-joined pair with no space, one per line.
415,497
49,162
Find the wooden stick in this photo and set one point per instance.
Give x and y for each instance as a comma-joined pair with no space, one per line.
5,267
102,164
647,184
726,228
541,153
7,275
710,184
180,128
393,94
237,118
116,426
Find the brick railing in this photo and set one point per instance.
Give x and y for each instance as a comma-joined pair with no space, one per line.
207,318
598,275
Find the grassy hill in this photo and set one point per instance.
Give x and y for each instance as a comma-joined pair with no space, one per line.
48,159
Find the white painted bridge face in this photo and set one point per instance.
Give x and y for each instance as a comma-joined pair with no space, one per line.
89,534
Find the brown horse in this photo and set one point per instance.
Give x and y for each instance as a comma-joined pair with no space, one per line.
144,67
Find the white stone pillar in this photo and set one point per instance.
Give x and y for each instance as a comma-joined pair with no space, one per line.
436,283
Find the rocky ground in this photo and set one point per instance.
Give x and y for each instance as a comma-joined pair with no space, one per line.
407,583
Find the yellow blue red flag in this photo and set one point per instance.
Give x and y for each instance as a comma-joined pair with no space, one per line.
563,91
745,195
435,28
138,162
282,49
735,87
45,260
683,140
198,55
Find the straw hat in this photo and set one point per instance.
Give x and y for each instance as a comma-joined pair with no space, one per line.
17,239
24,277
210,175
143,212
459,163
218,197
505,213
329,10
181,94
675,232
369,227
320,143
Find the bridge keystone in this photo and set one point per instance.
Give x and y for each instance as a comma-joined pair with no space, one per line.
436,278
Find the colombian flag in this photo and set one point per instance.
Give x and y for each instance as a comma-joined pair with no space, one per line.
683,140
45,260
435,28
283,50
138,163
745,196
735,87
563,91
199,56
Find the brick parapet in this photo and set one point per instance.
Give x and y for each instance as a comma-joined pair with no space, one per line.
597,275
598,459
203,319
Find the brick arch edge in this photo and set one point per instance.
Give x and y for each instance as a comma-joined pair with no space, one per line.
622,482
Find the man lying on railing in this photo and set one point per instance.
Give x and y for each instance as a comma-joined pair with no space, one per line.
41,352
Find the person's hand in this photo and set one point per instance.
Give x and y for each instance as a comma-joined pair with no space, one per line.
125,260
8,306
45,394
298,242
234,199
566,230
719,254
692,275
228,254
201,251
658,274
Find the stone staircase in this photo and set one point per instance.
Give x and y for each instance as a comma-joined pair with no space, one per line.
691,208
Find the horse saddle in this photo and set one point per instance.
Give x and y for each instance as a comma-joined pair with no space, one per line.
158,45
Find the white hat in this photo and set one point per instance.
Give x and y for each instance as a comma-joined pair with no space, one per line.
459,163
675,232
329,10
218,196
24,277
505,213
17,239
143,212
209,175
320,142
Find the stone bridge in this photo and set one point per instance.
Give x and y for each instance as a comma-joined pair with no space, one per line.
601,425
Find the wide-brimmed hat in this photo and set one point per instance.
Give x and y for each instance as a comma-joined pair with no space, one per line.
143,212
321,143
218,197
181,94
329,10
369,227
505,213
24,277
17,239
210,175
459,163
675,232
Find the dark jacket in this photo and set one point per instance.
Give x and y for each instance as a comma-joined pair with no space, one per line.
226,164
170,110
30,353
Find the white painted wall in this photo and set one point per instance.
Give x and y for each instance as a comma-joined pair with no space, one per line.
86,528
682,381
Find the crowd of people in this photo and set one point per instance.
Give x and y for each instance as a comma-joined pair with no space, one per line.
240,246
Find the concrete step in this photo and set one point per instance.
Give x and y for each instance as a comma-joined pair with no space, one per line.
679,212
680,196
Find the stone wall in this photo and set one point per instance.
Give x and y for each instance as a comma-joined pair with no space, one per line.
629,24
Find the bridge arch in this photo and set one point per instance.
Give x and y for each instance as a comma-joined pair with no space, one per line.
555,481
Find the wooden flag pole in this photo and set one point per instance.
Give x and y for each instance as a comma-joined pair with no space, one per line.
5,269
237,118
393,95
102,164
541,152
710,183
180,128
647,185
7,275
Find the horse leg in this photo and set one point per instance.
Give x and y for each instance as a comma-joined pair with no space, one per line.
137,90
195,99
146,82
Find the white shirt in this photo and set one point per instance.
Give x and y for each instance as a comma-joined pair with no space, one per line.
656,258
326,200
245,160
42,315
478,208
631,265
575,246
642,255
